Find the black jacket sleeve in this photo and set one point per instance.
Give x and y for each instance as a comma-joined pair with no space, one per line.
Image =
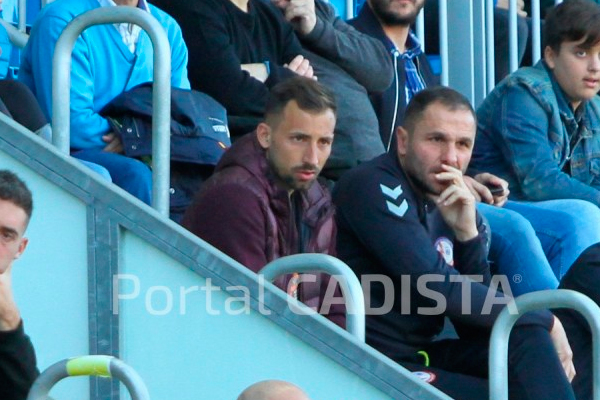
17,364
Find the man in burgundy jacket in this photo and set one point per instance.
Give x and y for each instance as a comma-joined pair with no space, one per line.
264,201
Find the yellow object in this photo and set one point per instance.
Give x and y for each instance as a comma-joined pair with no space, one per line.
90,365
425,356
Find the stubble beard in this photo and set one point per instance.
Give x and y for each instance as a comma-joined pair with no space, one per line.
390,18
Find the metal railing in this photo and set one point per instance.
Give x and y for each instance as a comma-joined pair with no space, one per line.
161,96
561,298
349,283
17,37
101,366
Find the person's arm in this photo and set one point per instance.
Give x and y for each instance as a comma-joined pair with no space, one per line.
179,52
17,357
215,66
361,56
87,126
230,217
525,145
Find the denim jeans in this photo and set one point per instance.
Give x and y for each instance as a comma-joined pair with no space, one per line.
128,173
99,169
535,243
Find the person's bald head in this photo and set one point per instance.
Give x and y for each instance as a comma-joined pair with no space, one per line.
273,390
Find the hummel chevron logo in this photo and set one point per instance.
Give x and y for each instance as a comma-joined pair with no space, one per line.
393,193
398,210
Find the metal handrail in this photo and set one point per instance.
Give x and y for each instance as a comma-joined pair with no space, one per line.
349,283
161,96
16,37
560,298
102,366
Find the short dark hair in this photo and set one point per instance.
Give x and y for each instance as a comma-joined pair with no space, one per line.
310,96
16,191
570,21
445,96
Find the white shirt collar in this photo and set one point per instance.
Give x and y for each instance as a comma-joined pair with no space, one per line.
129,32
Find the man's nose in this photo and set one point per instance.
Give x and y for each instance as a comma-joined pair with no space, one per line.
450,155
311,154
594,64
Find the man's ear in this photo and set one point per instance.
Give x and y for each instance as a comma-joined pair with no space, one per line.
22,247
402,140
549,57
263,134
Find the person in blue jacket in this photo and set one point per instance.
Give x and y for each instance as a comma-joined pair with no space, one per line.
107,60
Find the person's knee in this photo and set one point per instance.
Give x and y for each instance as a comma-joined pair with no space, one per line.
581,219
134,173
512,227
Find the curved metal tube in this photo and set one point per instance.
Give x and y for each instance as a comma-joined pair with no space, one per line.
560,298
16,37
349,283
161,96
103,366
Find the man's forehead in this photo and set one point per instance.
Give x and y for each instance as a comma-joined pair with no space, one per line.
12,216
295,119
439,115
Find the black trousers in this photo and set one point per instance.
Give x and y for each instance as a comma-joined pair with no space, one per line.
459,367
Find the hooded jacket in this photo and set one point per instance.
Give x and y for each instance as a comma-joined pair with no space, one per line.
243,212
390,104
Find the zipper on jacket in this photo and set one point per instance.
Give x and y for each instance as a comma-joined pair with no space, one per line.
395,54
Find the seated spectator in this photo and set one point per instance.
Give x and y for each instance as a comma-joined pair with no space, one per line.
107,60
351,64
264,201
238,50
501,17
548,240
540,129
273,390
391,25
17,357
18,103
409,215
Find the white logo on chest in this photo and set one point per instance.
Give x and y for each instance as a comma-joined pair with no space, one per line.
445,247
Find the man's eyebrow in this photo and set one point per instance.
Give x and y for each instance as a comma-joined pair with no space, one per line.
7,229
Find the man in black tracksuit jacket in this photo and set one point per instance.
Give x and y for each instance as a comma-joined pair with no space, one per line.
409,216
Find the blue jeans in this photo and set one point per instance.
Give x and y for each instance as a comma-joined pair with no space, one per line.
99,169
535,243
128,173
